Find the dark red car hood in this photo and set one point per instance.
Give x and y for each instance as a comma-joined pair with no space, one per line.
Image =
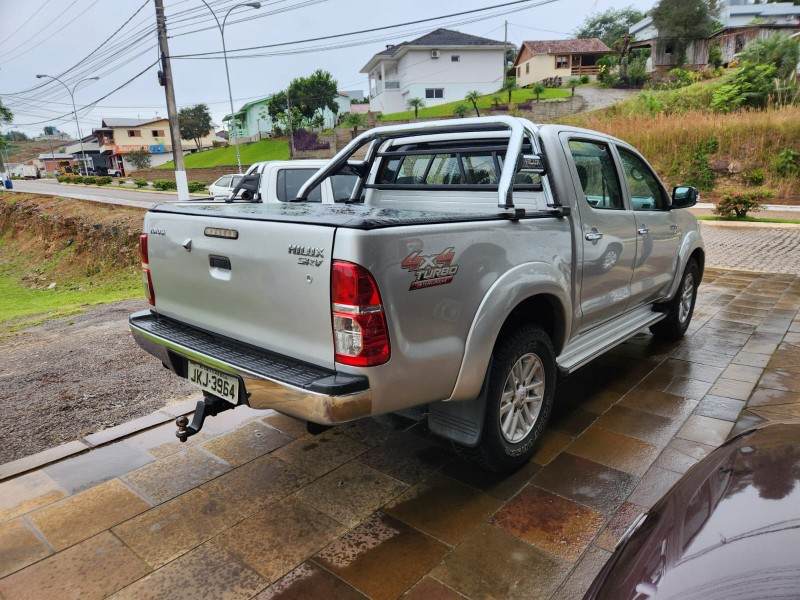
729,529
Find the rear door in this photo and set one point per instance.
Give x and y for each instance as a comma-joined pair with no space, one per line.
658,233
608,231
261,282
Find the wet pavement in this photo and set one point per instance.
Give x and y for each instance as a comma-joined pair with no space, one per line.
254,507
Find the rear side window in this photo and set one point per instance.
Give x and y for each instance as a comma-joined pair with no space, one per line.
291,180
223,181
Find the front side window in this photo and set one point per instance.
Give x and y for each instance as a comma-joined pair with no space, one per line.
291,180
223,181
597,174
643,186
434,92
562,62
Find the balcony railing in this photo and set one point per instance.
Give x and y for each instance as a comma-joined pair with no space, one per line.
380,86
587,70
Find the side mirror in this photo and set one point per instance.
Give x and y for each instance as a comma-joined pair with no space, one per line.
248,185
684,196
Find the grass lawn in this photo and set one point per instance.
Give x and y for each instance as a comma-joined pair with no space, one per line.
257,151
446,110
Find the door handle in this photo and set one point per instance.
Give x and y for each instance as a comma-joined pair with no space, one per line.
673,228
593,236
643,230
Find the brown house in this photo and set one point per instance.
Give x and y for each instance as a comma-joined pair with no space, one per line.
544,59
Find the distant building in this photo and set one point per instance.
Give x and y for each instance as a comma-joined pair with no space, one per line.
57,161
544,59
439,67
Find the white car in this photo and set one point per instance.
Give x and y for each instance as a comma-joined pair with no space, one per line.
223,186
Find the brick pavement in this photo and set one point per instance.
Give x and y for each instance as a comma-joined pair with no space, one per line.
774,249
254,507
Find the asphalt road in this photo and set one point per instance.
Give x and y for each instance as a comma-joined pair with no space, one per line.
109,194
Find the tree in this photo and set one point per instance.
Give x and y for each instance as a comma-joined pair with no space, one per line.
473,97
573,83
139,159
277,110
415,104
538,88
16,136
6,116
511,53
461,110
354,120
314,94
684,20
509,85
194,123
775,50
609,25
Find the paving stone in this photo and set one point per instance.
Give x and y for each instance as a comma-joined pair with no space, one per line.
586,482
124,429
614,450
705,430
376,430
310,581
653,486
497,485
768,397
382,557
659,403
161,441
27,492
175,474
555,524
175,527
256,485
205,572
288,425
750,359
550,445
95,568
92,468
83,515
689,370
492,563
644,426
781,380
430,589
730,388
20,547
582,576
746,421
41,459
351,493
618,525
571,422
277,539
743,373
408,458
718,407
246,443
322,453
446,509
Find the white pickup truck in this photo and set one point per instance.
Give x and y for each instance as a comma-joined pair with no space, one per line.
474,262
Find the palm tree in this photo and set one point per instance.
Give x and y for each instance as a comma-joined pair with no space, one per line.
416,104
538,88
354,120
473,97
573,83
509,85
461,110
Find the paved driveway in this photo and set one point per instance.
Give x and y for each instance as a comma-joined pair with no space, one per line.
255,507
762,247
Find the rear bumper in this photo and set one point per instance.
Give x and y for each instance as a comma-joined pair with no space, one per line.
271,381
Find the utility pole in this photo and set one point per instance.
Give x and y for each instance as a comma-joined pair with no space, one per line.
505,52
165,78
291,133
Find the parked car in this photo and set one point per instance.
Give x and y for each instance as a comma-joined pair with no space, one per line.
730,528
223,186
114,172
459,270
31,172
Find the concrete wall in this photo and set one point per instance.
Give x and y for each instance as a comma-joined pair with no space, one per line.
209,175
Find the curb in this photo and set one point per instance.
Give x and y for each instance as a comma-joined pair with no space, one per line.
95,440
127,189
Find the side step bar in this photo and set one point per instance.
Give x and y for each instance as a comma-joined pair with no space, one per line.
601,339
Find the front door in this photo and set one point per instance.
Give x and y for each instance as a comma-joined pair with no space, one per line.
657,231
608,232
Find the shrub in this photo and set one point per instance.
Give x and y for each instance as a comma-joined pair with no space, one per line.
62,179
584,79
715,55
165,185
197,187
738,204
308,140
104,180
786,163
752,85
90,180
120,181
460,110
755,176
77,179
140,183
699,173
637,71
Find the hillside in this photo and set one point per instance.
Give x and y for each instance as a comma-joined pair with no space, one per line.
264,150
25,151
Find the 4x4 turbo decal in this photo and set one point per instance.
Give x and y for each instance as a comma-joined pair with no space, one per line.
431,270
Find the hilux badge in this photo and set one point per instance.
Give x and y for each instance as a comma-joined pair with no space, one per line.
309,256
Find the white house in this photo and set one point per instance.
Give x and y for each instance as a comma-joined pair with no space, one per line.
439,67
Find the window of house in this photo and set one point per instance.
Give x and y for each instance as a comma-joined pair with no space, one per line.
597,174
669,48
562,62
134,133
434,92
527,68
455,58
157,133
519,71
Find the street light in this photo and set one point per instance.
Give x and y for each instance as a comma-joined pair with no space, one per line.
74,110
227,74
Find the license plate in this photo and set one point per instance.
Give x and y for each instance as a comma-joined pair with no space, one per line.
214,382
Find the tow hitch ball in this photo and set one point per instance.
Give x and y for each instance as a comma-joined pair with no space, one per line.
209,406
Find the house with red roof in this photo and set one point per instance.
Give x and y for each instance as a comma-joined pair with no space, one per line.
544,59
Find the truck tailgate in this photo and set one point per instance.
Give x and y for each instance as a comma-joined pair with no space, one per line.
269,287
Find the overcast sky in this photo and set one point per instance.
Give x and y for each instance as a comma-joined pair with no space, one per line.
50,36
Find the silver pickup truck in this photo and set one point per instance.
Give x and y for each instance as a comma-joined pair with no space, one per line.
475,262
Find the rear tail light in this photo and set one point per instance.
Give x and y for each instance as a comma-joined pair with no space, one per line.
360,335
147,281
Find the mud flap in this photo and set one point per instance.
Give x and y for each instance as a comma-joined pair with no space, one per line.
461,422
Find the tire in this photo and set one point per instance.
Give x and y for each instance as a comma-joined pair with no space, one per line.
515,420
681,308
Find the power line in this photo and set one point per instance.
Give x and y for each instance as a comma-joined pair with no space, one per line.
36,40
25,22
